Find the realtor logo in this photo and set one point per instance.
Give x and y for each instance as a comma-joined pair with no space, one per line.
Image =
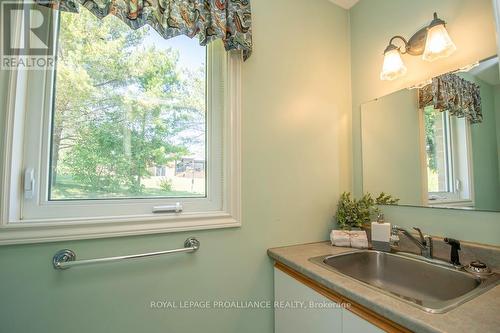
25,32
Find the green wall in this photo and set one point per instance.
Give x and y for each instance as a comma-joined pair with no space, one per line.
373,23
496,95
391,147
485,151
296,109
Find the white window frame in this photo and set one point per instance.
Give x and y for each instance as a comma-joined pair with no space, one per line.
453,197
220,208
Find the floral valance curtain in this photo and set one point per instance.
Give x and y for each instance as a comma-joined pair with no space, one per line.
452,93
229,20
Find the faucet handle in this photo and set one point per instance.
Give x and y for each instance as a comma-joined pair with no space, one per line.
455,247
422,238
394,238
429,244
394,229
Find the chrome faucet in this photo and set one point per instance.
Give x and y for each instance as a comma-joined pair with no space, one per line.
424,244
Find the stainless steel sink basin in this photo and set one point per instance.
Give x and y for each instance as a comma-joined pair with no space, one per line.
432,286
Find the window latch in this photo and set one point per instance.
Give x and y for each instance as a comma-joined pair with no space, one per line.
29,183
177,208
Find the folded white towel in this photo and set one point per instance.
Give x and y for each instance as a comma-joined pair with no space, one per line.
359,239
340,238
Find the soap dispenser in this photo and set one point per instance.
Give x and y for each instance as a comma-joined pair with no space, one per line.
381,234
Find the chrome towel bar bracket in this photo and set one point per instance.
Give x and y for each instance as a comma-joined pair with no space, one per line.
66,258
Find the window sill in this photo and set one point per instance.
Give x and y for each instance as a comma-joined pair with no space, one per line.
44,231
452,203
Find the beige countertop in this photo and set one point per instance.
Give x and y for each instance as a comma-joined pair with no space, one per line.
479,315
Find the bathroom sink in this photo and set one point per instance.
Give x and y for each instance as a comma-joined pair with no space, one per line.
433,286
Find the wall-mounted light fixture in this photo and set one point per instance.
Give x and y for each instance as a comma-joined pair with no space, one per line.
432,42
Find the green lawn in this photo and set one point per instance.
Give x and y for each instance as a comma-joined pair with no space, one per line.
67,189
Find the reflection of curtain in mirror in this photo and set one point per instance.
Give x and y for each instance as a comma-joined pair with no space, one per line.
451,93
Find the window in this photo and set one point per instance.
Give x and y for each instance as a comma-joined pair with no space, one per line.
124,102
160,171
448,157
136,133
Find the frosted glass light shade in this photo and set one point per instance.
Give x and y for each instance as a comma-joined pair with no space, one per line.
438,44
393,66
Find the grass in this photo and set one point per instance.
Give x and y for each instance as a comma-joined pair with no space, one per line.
67,188
432,180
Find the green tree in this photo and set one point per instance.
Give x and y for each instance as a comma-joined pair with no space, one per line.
120,107
430,115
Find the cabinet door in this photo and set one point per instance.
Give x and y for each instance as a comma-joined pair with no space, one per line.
354,324
299,309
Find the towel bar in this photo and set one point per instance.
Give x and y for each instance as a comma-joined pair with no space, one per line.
66,258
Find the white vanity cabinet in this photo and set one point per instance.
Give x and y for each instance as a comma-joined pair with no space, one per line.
298,308
354,324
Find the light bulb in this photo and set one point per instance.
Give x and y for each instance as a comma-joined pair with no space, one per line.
438,43
393,65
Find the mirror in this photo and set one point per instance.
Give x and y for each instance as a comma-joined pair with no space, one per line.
437,145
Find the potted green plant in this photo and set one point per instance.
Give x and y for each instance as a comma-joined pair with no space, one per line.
358,213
